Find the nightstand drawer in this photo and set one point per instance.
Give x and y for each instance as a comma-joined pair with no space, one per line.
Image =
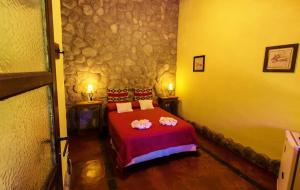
88,104
169,104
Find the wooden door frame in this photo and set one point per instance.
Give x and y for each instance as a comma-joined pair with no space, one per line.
12,84
51,53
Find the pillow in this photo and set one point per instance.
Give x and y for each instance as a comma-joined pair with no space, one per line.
111,106
155,104
146,104
142,94
136,104
124,107
117,95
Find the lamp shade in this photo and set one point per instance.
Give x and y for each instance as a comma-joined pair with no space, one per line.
170,86
90,88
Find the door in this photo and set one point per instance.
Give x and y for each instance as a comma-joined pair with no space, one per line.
29,124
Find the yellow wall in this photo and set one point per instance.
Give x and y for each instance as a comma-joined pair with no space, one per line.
60,80
233,96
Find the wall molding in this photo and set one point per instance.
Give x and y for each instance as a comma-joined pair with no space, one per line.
261,160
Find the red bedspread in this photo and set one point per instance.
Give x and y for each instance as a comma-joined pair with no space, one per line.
130,143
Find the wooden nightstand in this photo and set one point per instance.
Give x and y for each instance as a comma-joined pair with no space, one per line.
88,104
169,104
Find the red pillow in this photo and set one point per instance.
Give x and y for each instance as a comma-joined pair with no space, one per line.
117,95
111,106
135,104
142,93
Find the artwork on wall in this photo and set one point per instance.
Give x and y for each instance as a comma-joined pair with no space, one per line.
281,58
199,63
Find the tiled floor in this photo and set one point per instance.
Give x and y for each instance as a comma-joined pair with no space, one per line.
211,169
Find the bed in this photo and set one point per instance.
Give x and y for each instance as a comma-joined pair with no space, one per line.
133,146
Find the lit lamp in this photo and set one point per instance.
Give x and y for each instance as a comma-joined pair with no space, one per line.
170,89
90,89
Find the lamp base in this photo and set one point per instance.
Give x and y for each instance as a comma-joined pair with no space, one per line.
170,92
90,97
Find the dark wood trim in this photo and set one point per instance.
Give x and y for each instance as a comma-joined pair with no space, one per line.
16,83
51,52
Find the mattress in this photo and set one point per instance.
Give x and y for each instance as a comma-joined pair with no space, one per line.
134,145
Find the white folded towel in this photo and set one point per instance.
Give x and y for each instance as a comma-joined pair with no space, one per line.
169,121
141,124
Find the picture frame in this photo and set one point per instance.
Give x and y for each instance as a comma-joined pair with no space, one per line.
199,63
280,58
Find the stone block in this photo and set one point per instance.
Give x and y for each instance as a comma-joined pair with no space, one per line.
79,43
87,10
100,11
114,28
73,17
89,52
69,28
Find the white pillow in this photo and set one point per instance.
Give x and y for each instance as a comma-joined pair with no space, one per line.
124,107
146,104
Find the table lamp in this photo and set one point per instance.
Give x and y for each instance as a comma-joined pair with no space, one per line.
170,89
90,89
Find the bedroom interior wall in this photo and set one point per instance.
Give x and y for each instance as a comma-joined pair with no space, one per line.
118,44
233,96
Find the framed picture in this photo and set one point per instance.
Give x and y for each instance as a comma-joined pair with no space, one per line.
281,58
199,63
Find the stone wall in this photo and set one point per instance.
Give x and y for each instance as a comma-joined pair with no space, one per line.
117,44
